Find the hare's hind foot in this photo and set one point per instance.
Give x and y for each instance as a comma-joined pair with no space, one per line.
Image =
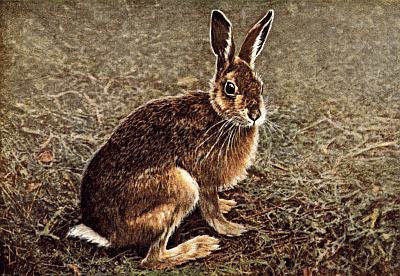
198,247
226,205
228,228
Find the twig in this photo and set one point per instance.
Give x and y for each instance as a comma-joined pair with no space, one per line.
326,146
338,126
259,213
373,146
279,166
31,131
96,107
64,93
47,228
107,86
312,125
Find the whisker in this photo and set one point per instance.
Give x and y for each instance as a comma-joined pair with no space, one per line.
272,127
264,132
209,137
233,143
237,135
227,147
229,131
213,126
221,131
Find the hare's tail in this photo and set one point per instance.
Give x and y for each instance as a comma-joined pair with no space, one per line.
86,233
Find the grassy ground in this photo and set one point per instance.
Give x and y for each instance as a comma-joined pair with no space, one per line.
323,196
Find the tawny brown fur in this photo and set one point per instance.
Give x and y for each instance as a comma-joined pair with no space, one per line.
175,153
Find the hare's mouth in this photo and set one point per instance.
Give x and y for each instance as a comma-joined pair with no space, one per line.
251,123
243,119
260,120
246,121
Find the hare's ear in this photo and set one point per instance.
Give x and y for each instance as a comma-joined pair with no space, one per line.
255,39
221,39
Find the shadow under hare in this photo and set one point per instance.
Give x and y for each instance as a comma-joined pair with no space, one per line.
175,153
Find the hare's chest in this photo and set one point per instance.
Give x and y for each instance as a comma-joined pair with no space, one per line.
240,158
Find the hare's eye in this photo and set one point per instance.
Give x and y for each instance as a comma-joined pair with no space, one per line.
230,88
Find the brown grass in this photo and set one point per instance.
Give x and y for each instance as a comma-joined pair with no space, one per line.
323,196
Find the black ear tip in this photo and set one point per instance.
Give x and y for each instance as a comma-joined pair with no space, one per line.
216,12
219,15
269,15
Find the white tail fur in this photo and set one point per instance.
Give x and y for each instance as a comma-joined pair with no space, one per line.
84,232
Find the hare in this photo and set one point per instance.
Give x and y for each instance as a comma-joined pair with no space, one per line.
175,153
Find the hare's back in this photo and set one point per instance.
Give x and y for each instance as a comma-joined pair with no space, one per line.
154,134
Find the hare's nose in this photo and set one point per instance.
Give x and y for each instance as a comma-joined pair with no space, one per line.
254,114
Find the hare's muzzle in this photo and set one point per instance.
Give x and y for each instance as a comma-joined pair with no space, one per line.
254,113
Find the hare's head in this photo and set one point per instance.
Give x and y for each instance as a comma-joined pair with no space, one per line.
236,92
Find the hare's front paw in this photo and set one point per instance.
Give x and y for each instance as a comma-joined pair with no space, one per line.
228,228
226,205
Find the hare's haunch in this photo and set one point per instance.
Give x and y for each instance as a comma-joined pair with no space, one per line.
175,153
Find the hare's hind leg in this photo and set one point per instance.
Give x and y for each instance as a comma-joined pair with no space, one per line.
186,192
